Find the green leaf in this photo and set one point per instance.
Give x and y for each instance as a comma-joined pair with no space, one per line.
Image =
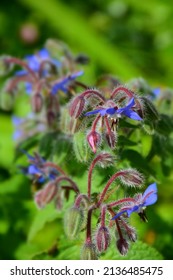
165,124
123,140
46,215
137,251
137,161
62,148
150,110
46,144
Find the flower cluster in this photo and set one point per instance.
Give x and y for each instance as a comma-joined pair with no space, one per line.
51,84
108,112
45,79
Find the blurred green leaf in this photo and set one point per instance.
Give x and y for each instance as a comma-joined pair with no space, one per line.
46,215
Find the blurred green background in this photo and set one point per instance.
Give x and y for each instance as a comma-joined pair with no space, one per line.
127,39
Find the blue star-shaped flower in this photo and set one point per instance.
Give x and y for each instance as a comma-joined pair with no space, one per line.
149,197
34,62
126,111
64,83
37,170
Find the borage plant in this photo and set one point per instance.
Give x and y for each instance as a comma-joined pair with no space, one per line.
67,134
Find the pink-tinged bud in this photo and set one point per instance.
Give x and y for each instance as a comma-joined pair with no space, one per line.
131,177
77,106
89,252
111,139
94,139
102,238
46,195
122,246
37,102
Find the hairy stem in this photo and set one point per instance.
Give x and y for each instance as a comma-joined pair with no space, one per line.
113,178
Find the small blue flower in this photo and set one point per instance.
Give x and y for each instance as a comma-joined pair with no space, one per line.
64,83
149,197
34,62
115,112
37,169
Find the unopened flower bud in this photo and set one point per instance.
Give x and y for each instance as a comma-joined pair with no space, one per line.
81,149
73,221
89,252
51,118
82,201
132,234
94,139
46,195
131,177
36,102
5,65
102,238
105,159
122,246
77,106
111,139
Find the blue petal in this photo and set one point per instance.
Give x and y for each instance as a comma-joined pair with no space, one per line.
63,84
59,86
119,214
131,210
111,111
27,154
132,115
17,121
156,92
21,73
44,54
93,112
41,179
75,75
52,176
151,188
129,105
150,195
33,170
17,134
150,199
28,87
56,63
34,63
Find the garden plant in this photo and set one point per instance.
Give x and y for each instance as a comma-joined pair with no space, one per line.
88,154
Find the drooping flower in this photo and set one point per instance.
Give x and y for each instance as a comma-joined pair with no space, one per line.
117,113
37,169
34,62
141,201
63,84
